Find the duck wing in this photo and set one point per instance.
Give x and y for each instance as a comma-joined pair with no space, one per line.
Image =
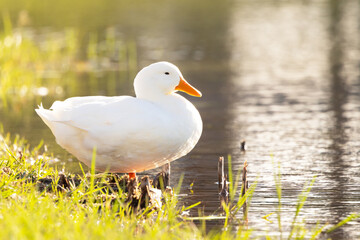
109,123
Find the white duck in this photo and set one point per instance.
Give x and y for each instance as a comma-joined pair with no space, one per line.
130,134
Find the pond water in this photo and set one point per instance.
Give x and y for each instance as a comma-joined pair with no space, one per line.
284,76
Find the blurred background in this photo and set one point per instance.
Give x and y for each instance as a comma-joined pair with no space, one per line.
283,75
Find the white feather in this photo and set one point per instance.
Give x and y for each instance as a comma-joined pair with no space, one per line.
130,134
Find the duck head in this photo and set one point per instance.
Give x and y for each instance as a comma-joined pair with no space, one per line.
159,79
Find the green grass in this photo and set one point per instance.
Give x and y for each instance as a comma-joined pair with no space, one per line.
91,210
27,213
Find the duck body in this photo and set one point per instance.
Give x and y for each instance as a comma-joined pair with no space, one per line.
130,134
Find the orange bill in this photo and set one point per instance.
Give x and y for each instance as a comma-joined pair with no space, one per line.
184,86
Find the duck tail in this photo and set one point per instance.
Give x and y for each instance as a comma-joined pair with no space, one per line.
45,114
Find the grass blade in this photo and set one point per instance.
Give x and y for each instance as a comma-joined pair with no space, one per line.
345,221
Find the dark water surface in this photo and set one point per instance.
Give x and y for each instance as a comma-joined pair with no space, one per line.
285,76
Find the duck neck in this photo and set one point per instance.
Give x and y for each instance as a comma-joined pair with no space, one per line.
172,102
153,95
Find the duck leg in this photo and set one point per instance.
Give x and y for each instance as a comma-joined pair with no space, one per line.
132,175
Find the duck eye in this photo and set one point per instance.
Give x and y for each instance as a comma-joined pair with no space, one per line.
167,73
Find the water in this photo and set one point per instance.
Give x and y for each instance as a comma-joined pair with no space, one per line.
284,76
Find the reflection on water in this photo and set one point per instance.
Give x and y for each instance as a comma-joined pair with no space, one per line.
282,75
296,71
